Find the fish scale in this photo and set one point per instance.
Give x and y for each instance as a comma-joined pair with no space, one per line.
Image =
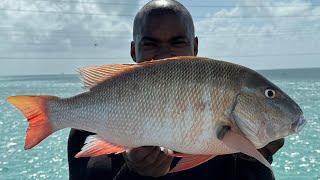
198,107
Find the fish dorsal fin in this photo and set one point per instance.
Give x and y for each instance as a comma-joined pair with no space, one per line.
93,75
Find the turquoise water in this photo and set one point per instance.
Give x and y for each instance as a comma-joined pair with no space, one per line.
298,159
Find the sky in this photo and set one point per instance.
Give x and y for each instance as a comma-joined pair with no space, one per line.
60,36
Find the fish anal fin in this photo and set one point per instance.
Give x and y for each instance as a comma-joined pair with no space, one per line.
178,154
190,161
96,146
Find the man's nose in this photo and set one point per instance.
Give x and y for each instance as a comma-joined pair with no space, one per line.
164,52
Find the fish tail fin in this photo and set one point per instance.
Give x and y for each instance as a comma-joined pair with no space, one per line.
34,108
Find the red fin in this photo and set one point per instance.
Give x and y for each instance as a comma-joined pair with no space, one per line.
34,108
95,146
191,161
242,144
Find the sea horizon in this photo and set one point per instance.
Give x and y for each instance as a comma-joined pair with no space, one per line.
76,74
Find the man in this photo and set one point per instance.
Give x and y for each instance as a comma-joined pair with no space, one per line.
162,29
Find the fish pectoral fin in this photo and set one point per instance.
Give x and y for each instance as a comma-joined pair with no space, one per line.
242,144
190,161
96,146
222,130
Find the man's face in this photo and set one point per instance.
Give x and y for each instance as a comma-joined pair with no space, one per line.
163,36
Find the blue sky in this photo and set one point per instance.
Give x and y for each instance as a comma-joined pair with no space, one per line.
53,37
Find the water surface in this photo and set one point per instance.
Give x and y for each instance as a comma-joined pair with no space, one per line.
299,158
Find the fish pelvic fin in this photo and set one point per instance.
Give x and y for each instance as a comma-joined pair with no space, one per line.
34,108
190,161
96,146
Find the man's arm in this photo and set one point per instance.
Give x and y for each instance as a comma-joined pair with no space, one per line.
86,168
77,167
249,168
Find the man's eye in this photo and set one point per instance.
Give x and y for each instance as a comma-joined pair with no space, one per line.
179,43
149,44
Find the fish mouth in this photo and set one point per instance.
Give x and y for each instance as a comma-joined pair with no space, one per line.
298,124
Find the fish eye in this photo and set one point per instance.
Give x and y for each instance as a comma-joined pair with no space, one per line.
270,93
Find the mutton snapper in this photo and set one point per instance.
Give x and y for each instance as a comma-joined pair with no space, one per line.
195,106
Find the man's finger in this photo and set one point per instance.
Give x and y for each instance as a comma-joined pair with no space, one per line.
152,156
139,154
162,165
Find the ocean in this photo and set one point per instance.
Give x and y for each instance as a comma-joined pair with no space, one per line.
299,159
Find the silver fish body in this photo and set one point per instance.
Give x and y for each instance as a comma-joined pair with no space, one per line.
180,104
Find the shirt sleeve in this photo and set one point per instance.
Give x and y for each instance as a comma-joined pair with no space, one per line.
251,170
77,166
125,174
86,168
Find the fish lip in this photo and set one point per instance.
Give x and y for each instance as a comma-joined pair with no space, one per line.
298,124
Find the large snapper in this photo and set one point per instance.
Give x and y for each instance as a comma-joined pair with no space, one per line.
198,107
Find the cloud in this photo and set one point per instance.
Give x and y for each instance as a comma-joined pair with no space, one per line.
55,33
92,23
256,41
62,29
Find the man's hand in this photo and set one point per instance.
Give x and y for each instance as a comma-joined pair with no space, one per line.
148,161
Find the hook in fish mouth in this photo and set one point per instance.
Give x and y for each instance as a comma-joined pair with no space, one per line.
298,124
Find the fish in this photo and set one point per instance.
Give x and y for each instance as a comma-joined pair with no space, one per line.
197,107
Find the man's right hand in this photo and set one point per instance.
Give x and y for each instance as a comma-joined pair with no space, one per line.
148,161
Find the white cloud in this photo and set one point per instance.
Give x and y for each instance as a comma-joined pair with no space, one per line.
234,38
67,30
99,30
95,30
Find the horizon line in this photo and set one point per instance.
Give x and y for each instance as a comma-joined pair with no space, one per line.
276,69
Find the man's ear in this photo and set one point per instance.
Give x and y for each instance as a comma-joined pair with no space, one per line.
195,46
133,51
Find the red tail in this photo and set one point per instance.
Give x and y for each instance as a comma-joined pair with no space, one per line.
34,108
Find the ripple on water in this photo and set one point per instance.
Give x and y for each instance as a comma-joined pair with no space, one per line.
299,158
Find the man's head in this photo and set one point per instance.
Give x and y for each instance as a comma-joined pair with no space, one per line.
162,29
